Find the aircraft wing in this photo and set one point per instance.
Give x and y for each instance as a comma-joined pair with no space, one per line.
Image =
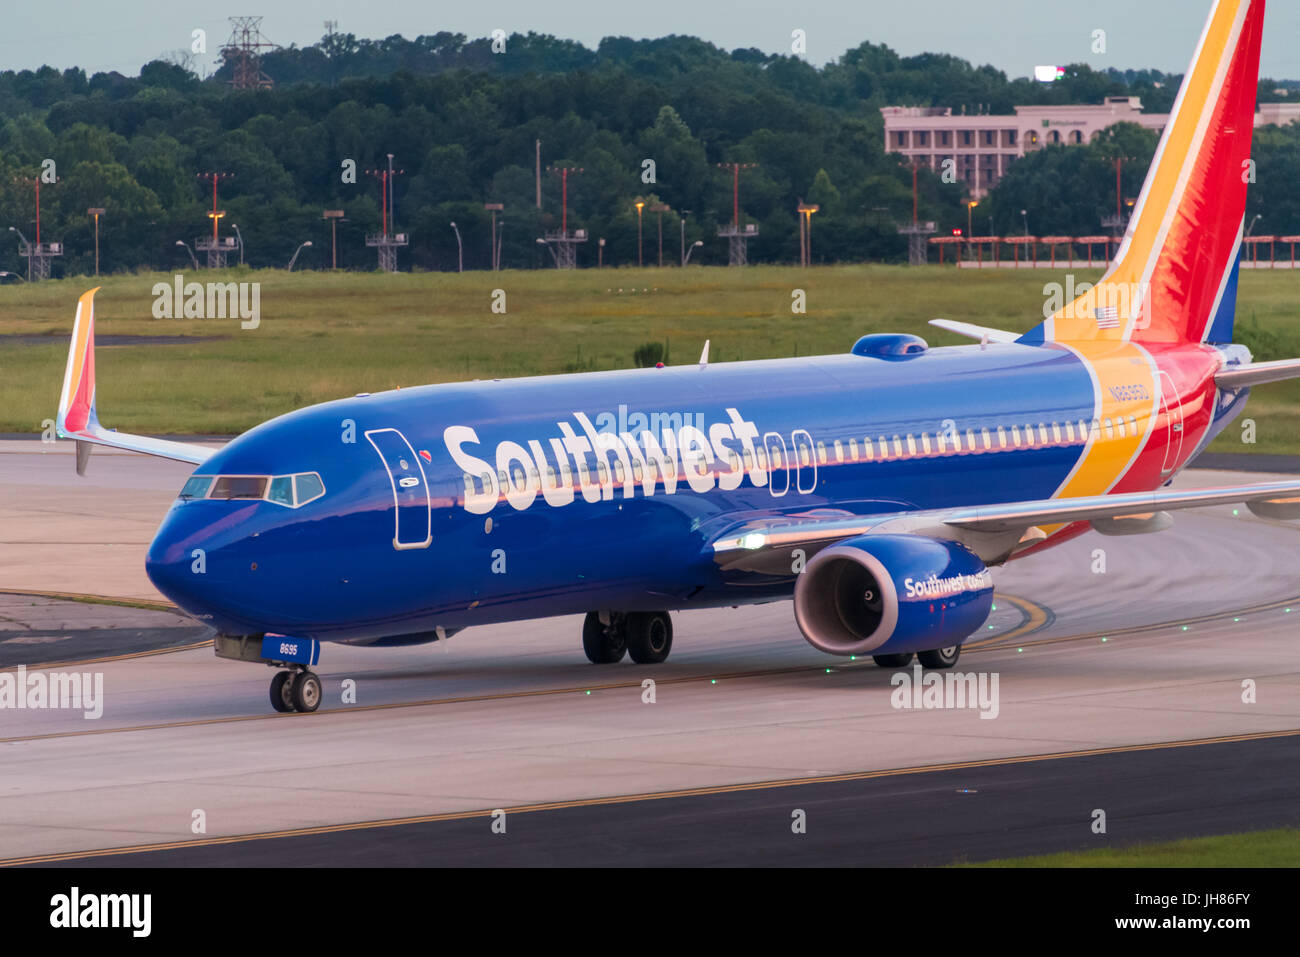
991,531
972,331
77,416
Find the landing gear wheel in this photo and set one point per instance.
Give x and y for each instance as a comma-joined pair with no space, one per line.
306,692
281,691
940,657
649,636
892,661
604,644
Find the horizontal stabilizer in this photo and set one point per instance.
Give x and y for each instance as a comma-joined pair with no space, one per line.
1256,373
972,331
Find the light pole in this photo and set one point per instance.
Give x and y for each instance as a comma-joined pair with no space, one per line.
600,252
805,231
14,274
1024,216
660,208
1250,229
682,224
460,250
294,258
543,242
181,242
240,237
15,229
494,208
96,211
970,208
640,205
695,245
335,216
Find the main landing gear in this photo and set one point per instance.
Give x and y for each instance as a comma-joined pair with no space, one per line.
645,636
938,658
297,690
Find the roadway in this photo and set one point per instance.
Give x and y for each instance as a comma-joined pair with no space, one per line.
748,722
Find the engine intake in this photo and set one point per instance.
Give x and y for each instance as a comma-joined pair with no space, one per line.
891,593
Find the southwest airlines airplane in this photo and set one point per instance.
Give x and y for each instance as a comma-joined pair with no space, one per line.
877,487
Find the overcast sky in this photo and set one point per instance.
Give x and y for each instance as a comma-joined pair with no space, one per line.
1013,35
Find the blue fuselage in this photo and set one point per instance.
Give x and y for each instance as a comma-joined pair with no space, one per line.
470,503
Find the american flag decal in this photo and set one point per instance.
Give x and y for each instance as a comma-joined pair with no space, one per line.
1107,317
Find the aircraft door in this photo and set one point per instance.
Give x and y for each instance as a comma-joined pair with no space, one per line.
778,464
1171,409
412,509
805,461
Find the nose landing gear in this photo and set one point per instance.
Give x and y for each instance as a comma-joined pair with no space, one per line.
294,688
295,691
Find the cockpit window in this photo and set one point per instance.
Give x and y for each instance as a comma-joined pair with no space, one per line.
239,486
281,491
290,491
310,487
197,487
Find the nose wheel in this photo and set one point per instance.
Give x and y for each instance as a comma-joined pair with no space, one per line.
295,691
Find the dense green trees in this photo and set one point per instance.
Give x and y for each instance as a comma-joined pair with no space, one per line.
461,121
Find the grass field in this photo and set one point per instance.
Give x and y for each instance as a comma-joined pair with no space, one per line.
324,335
1279,848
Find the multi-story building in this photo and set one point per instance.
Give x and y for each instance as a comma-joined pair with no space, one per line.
983,147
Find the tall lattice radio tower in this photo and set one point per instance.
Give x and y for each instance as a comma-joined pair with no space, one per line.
243,51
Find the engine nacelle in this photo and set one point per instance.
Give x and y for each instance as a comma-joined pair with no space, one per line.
887,594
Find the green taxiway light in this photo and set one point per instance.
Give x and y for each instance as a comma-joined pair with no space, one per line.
1104,640
995,607
1184,627
1018,650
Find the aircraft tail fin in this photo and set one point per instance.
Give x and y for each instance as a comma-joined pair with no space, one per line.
1174,276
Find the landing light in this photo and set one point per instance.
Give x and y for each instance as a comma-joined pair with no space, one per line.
753,540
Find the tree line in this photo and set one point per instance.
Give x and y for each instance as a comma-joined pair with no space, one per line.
462,121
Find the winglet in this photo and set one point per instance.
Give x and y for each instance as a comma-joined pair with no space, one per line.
77,403
704,356
77,418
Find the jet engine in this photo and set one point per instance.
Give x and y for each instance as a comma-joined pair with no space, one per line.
888,594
